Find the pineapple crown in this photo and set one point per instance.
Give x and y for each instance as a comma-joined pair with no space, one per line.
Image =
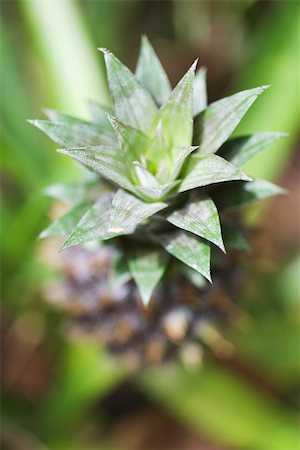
167,152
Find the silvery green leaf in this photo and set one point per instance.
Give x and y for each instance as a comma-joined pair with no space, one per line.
205,170
65,224
147,267
133,142
216,123
127,211
106,161
241,149
242,194
145,178
151,73
234,239
98,113
200,217
57,116
182,155
176,114
94,225
134,106
200,92
157,153
72,193
189,249
77,134
158,192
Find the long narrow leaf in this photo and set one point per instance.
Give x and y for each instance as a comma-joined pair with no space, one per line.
64,225
94,225
72,193
158,192
144,177
241,149
200,217
243,194
151,73
182,155
75,134
134,106
187,248
106,161
200,93
134,143
202,171
147,268
128,211
176,115
217,122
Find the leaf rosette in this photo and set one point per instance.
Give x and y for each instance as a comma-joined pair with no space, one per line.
165,169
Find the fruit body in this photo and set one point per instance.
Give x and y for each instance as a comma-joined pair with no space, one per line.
165,177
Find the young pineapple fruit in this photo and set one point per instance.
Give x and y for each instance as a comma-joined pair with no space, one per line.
164,178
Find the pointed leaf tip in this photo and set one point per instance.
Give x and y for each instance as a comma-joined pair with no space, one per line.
133,104
189,249
194,65
105,161
217,122
147,268
103,50
151,74
176,115
199,91
201,218
211,169
241,149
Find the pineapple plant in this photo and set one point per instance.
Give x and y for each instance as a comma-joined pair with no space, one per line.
153,255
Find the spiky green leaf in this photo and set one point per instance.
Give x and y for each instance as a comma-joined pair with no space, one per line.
157,154
240,195
200,92
147,267
206,170
241,149
217,122
158,192
72,193
58,116
128,211
182,155
106,161
176,114
145,178
189,249
151,73
200,217
77,134
65,224
94,225
134,143
134,106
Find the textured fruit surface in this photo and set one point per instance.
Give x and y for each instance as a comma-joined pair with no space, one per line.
182,320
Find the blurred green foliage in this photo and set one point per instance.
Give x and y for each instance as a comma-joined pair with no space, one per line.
50,59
